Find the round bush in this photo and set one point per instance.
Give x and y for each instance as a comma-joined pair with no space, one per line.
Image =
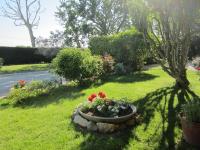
78,64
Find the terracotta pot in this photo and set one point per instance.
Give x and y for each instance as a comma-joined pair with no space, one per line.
191,131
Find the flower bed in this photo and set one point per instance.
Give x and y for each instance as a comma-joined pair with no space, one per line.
105,115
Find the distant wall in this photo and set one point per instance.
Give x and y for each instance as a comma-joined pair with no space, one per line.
24,55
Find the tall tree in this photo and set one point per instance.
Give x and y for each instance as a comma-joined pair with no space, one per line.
83,18
24,13
170,25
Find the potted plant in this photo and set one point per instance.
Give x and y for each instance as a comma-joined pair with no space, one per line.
99,108
190,121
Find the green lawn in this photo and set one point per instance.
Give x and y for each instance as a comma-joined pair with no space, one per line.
26,67
45,122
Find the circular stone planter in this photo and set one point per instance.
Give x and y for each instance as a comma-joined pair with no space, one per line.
105,124
109,119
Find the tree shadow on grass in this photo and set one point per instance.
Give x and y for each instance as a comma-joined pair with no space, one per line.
133,77
163,101
130,78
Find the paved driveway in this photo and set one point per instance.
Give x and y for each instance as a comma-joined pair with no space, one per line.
8,80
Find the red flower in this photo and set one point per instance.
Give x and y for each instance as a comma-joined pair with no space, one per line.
101,95
90,99
93,95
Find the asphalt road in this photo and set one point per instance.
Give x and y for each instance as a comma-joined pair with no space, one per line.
8,80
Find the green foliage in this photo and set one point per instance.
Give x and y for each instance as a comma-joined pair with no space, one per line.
78,64
91,69
119,69
126,47
191,110
32,89
83,18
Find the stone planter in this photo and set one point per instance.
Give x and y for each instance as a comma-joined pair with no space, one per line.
191,131
105,124
109,119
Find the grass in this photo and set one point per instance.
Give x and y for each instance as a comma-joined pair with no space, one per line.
21,68
45,122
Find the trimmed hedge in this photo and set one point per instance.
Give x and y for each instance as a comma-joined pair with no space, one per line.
23,55
126,47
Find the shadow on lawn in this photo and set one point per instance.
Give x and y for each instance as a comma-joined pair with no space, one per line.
54,96
133,77
163,101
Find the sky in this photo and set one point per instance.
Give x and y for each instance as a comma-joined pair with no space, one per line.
11,35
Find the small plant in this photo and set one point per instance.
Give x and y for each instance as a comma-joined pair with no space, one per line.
191,111
22,91
100,105
20,84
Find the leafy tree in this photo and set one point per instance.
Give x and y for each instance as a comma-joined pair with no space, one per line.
83,18
24,13
170,26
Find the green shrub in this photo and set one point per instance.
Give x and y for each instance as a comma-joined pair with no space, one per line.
78,65
30,90
91,69
191,111
119,69
100,45
126,47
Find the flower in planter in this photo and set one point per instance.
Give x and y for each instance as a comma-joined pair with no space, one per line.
102,95
94,96
100,105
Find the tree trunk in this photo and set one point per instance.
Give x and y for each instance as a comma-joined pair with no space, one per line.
32,38
182,81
